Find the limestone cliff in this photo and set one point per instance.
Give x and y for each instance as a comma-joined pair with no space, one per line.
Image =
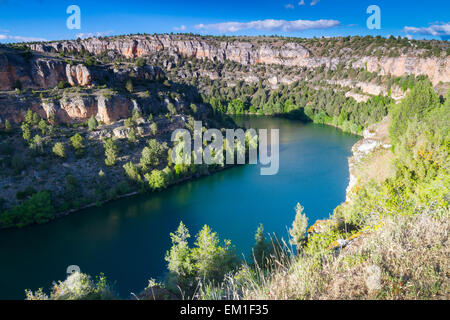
38,73
375,138
250,52
45,69
71,108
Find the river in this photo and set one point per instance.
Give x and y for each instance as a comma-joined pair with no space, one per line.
127,239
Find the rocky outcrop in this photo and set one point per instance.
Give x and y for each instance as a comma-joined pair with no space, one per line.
375,136
77,108
37,73
10,72
249,52
358,97
138,46
71,108
113,108
78,75
47,73
370,89
436,69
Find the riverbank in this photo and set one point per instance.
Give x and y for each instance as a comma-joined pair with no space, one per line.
370,161
54,213
134,193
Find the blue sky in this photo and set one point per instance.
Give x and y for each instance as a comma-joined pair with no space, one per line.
46,19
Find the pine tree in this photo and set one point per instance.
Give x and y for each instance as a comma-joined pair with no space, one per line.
298,230
8,126
92,123
111,152
262,248
59,150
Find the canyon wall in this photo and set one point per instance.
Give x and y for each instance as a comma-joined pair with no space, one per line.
46,70
250,53
71,108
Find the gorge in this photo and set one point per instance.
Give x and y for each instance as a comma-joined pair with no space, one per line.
84,124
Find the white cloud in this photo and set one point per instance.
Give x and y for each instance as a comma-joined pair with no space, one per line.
442,29
270,25
20,38
314,2
301,3
289,6
180,28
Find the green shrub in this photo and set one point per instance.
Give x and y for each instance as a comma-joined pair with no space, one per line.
132,172
8,126
37,209
129,86
111,152
152,154
206,261
92,123
59,150
156,180
27,193
298,230
421,100
78,144
77,286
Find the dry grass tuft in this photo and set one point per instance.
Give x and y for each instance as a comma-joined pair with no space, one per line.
407,258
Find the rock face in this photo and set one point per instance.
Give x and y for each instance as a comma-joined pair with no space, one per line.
45,72
76,108
73,108
436,69
38,73
137,46
249,53
113,109
10,72
376,136
78,75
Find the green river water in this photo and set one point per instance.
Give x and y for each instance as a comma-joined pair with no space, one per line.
127,239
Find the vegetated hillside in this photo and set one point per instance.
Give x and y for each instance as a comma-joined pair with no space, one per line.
389,240
75,134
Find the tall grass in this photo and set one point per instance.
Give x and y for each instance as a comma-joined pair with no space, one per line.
411,254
